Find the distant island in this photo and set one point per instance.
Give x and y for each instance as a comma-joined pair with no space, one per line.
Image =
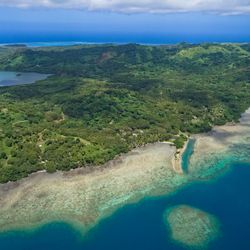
18,45
105,100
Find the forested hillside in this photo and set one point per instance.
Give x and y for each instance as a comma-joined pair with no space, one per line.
104,100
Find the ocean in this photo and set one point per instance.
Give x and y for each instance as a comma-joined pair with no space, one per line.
141,225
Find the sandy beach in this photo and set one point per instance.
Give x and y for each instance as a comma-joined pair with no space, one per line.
177,160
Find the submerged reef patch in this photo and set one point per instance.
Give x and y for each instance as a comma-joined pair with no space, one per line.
191,227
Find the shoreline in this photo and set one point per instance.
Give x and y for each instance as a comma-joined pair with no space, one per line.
77,196
83,197
88,169
215,150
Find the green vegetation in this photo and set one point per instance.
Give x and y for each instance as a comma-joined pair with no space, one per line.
105,100
179,141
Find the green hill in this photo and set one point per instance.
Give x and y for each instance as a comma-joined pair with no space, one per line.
103,100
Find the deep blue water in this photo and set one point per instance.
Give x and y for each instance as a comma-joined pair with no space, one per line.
141,226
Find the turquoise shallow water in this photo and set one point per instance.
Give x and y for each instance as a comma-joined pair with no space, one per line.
141,226
187,154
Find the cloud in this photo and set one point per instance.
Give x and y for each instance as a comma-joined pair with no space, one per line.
140,6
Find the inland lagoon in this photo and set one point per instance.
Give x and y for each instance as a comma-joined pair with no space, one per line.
8,78
80,210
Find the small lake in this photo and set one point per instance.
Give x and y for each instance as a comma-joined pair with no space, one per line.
8,78
140,226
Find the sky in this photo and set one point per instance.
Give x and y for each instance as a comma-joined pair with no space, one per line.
143,21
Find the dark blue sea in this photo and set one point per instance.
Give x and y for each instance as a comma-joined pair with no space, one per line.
44,39
141,226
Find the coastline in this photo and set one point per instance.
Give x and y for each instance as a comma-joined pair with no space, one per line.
88,169
215,150
82,197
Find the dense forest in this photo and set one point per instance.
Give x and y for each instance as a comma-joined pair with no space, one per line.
103,100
